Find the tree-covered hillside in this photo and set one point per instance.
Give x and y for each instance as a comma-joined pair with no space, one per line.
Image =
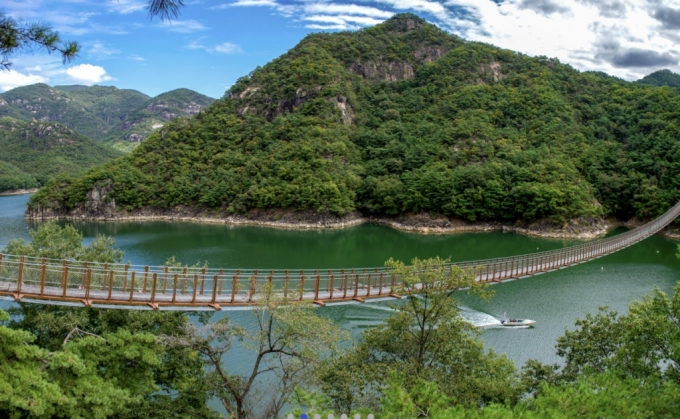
661,78
91,111
13,178
154,113
32,153
405,118
103,113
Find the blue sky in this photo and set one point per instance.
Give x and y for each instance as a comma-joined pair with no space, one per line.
213,43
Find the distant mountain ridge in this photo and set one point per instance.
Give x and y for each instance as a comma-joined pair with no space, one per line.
661,78
155,112
123,117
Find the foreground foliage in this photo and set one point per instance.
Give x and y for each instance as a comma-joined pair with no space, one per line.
425,341
84,362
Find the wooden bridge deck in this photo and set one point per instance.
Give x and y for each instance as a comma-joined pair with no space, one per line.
168,288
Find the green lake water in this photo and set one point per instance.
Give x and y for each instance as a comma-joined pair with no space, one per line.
555,300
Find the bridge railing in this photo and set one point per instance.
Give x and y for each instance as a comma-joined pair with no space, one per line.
190,287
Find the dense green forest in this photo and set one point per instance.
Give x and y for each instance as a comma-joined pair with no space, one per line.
32,153
12,178
152,114
423,361
661,78
102,113
405,118
91,111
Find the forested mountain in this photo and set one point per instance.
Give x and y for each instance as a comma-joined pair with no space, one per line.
103,113
406,118
661,78
155,112
91,111
31,153
13,178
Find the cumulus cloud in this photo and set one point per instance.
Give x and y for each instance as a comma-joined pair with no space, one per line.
643,58
669,18
223,48
88,74
11,79
544,7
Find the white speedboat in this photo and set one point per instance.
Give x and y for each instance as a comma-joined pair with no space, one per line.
517,322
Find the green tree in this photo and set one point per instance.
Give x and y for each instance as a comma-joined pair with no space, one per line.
425,340
288,339
16,37
89,376
177,387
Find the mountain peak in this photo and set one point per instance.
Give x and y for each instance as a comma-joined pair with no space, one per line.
404,22
663,77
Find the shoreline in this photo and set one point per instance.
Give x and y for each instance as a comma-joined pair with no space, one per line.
18,192
413,223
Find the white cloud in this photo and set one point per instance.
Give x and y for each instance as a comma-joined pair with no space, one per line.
347,9
126,6
88,74
99,51
11,79
223,48
344,20
256,3
135,57
183,26
625,38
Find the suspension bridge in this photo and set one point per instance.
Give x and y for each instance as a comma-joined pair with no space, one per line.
91,284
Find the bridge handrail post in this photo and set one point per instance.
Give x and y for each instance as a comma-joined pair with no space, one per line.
317,282
88,283
234,288
0,264
184,279
302,284
84,273
132,287
20,275
202,280
166,271
43,271
110,284
286,284
64,277
193,298
146,278
214,293
153,288
174,287
105,276
125,275
253,284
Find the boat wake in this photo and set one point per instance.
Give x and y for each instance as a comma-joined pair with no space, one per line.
479,319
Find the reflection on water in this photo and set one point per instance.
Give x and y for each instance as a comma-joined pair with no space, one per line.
554,300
